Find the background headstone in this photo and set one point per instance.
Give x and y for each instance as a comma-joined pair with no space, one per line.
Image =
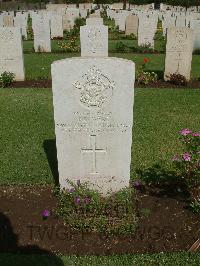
94,40
179,52
11,53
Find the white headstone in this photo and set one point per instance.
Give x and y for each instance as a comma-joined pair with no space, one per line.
147,29
8,20
94,21
131,25
56,26
178,52
11,53
93,113
21,21
94,40
41,29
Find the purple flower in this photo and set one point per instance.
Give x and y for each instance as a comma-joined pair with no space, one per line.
72,190
45,213
87,200
196,134
186,157
137,184
185,132
77,200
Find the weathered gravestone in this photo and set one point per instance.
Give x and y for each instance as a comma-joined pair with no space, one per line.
11,54
131,25
178,52
147,29
20,20
8,20
195,25
94,21
56,26
93,113
94,40
66,22
41,30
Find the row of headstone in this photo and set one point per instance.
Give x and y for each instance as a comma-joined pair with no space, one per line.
94,41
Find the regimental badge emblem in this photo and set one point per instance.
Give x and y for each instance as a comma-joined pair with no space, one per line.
95,88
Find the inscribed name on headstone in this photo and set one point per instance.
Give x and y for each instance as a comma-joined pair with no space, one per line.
178,52
41,29
94,40
11,53
93,113
131,25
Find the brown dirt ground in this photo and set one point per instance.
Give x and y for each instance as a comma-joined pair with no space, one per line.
169,226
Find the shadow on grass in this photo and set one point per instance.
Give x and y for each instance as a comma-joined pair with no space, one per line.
10,249
163,182
49,146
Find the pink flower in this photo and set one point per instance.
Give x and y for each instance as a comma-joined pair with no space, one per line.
186,157
87,200
196,134
77,200
185,132
45,213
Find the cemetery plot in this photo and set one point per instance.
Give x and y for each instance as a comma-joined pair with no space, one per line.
92,162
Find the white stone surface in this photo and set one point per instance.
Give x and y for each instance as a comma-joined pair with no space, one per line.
179,52
94,40
147,29
11,53
195,25
131,25
41,29
93,113
56,26
8,20
94,21
20,20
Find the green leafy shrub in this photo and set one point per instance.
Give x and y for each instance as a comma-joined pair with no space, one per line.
120,47
70,46
86,210
187,164
177,79
195,206
30,35
143,49
6,79
159,36
143,76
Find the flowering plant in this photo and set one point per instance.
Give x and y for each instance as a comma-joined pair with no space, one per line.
71,46
143,76
188,162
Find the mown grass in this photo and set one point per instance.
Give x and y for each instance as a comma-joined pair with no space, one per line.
38,66
168,259
26,117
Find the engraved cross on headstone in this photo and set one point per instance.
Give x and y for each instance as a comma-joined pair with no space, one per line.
94,150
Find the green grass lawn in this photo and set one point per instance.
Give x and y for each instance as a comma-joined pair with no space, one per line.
27,124
169,259
38,66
